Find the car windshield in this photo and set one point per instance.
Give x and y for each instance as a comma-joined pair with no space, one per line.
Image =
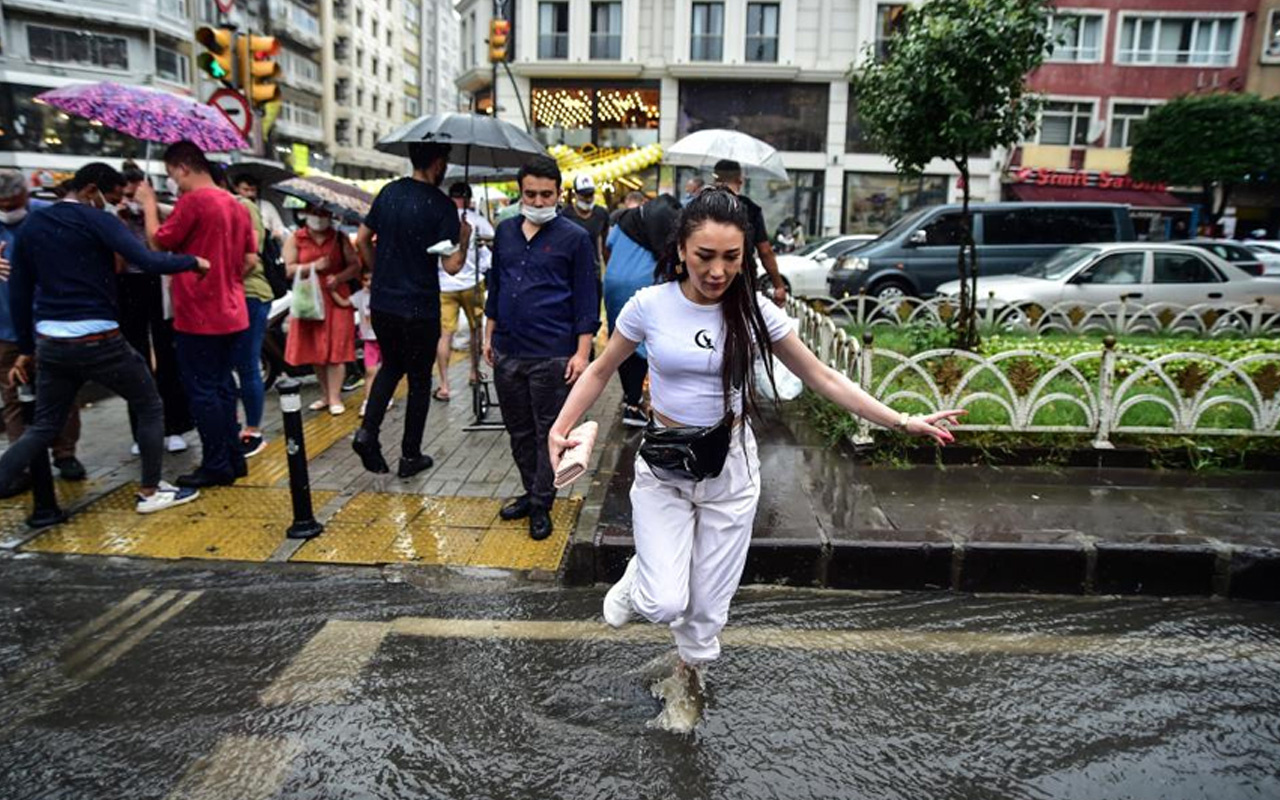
814,246
909,222
1061,264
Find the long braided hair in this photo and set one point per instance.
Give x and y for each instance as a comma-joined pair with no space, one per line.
746,336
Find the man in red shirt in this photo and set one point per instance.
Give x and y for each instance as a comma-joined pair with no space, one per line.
209,315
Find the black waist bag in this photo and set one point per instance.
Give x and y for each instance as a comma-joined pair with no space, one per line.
693,454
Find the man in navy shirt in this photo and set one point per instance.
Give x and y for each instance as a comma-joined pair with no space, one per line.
410,218
543,311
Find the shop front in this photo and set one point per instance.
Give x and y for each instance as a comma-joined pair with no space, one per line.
1157,214
873,201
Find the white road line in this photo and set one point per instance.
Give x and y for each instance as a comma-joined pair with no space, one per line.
73,660
239,768
128,643
80,634
327,667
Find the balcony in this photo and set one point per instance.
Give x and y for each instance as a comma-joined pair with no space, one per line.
296,23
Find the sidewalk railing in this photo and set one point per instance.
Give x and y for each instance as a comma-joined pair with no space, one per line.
1100,393
1124,315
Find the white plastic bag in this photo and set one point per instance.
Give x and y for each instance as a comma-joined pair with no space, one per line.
306,302
789,386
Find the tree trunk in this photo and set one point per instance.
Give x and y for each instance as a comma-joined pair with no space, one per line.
967,269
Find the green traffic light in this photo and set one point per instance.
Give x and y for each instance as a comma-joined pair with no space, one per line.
216,70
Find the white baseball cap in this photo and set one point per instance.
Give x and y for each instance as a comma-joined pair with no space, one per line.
584,185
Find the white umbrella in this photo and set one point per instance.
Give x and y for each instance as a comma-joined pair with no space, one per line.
703,149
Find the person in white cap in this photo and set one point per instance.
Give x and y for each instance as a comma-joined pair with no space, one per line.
592,218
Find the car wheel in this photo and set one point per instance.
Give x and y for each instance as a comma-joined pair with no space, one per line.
890,290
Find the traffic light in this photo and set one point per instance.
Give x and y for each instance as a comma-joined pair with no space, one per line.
499,30
258,73
216,61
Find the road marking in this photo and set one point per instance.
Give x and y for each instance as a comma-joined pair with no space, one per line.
327,667
239,768
73,661
111,656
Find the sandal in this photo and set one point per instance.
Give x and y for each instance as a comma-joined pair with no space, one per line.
442,398
318,405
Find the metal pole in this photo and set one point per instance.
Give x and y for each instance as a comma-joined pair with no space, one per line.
304,521
44,500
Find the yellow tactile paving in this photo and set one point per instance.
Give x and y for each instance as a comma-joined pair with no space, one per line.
431,544
381,508
462,512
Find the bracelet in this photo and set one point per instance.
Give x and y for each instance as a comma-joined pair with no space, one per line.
904,419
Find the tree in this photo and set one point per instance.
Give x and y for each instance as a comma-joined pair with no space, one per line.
1213,141
953,84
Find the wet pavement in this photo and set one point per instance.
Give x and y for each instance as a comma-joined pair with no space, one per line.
147,679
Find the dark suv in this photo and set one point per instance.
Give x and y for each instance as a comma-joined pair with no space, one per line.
919,252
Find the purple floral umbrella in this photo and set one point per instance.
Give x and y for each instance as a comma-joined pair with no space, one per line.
148,114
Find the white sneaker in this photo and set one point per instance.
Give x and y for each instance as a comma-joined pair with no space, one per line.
166,496
362,408
617,603
135,450
175,443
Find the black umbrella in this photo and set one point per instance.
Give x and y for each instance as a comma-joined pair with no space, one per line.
265,174
458,172
477,140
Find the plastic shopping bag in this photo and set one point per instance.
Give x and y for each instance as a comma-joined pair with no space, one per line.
306,301
789,386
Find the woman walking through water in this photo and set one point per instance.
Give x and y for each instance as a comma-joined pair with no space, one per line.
697,478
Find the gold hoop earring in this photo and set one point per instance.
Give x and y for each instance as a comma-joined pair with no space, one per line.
680,268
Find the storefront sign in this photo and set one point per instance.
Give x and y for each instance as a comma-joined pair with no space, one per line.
1039,176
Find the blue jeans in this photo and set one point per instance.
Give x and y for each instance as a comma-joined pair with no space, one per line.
206,362
248,358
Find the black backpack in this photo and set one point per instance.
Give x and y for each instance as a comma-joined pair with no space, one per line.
273,267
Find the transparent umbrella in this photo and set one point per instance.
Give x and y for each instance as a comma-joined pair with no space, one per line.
701,150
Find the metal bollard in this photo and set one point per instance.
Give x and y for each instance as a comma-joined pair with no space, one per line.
304,521
44,500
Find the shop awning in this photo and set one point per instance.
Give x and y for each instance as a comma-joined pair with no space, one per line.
1091,194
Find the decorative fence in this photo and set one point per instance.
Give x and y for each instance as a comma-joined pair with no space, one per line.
1121,316
1100,393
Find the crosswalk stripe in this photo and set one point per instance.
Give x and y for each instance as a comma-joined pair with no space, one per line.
97,644
129,642
326,668
239,768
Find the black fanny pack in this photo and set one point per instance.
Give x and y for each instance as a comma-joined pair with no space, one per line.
693,454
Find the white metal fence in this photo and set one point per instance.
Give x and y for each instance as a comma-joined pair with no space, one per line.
1108,391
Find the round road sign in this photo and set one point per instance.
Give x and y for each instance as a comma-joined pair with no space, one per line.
235,108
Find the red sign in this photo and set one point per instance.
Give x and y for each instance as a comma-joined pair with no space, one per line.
235,108
1039,176
225,6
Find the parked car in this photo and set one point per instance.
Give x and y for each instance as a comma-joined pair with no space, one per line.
920,251
1269,254
805,271
1231,251
1147,272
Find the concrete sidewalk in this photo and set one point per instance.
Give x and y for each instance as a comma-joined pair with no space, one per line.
825,520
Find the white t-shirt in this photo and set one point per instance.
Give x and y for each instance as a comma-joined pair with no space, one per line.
360,301
685,341
476,256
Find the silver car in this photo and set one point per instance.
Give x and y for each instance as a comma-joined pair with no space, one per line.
1144,272
1268,252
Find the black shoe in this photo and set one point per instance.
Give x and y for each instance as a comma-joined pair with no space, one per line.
240,467
370,452
517,509
20,484
539,524
634,417
252,444
412,466
202,478
352,383
70,469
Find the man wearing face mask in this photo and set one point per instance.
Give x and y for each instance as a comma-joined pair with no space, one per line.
64,306
15,205
543,311
209,314
590,217
411,232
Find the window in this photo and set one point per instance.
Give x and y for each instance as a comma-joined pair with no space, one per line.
890,17
373,27
1196,41
1065,123
1123,116
789,116
411,78
360,97
1183,268
412,14
874,201
1271,48
708,32
172,66
1120,268
946,230
466,44
359,17
359,58
1048,225
59,46
621,115
762,32
475,34
1076,37
174,8
373,62
411,107
389,109
553,30
300,115
606,31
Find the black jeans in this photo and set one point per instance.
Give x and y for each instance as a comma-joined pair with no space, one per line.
207,362
531,392
408,349
632,373
143,324
65,366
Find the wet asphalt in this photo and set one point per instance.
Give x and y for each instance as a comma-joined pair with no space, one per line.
883,695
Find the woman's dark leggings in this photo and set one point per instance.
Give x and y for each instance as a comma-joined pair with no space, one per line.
632,373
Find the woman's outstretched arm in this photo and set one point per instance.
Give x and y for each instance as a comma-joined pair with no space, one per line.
586,390
848,395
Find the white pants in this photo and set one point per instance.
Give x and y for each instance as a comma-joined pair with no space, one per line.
691,545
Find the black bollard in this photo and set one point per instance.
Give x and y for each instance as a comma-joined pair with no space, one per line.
44,500
304,521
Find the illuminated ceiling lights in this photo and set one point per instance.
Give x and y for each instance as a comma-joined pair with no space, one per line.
571,108
562,108
626,106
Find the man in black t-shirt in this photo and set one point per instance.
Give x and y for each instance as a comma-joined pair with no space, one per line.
729,175
409,219
589,216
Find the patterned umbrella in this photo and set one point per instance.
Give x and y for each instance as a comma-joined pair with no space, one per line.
148,114
340,199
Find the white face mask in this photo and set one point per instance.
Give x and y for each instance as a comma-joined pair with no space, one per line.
13,217
317,223
538,216
584,205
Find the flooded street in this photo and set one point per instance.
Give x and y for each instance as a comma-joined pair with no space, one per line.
153,681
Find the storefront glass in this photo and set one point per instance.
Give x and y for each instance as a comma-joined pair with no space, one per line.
799,199
604,115
874,201
789,116
26,125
